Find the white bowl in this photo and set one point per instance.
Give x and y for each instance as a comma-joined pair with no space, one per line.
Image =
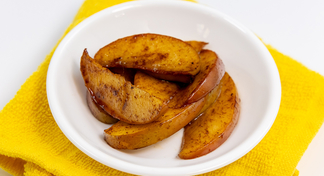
245,57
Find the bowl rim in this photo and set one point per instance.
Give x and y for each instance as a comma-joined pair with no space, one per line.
204,167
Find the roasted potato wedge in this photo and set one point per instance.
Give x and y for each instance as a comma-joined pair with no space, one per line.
213,127
151,52
128,136
161,89
211,72
98,112
119,97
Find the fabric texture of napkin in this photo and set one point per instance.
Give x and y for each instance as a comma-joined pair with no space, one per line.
31,143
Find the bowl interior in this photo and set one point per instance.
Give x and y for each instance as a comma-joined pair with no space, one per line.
245,58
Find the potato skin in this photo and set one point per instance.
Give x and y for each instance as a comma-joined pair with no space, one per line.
151,52
119,97
213,127
98,112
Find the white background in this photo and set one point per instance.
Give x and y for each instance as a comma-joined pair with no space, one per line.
30,29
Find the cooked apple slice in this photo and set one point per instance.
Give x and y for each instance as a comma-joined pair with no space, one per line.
197,46
161,89
175,78
127,73
128,136
211,97
166,90
213,127
119,97
211,72
152,52
98,112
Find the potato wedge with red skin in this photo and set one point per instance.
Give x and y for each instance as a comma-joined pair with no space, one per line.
211,72
119,97
152,52
213,127
98,112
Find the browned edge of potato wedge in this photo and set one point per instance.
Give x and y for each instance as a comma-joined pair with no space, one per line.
211,72
119,97
151,52
213,127
98,112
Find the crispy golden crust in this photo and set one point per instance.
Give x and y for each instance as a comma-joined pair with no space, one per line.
151,52
119,97
213,127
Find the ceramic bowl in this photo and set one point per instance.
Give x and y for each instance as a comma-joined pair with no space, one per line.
245,57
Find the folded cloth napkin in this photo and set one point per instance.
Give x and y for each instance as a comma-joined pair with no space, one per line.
31,143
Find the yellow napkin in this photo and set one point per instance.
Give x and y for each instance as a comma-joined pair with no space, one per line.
31,143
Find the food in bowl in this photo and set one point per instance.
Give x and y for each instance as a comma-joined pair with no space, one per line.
176,84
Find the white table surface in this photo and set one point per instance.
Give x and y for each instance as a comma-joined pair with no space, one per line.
30,29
